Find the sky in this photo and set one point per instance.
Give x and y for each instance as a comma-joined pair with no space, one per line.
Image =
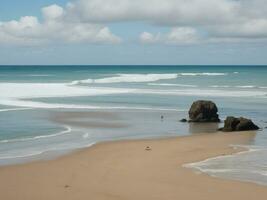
118,32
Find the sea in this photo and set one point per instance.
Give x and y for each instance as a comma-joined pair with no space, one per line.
48,111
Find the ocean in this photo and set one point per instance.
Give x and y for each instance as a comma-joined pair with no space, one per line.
48,111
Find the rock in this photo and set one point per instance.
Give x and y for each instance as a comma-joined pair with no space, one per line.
203,111
183,120
238,124
148,148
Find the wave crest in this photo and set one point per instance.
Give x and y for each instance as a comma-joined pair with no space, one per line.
141,78
128,78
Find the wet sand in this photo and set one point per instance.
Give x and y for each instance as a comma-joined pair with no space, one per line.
126,170
88,119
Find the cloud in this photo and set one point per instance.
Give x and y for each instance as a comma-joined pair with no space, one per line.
219,18
250,29
177,36
52,12
149,38
55,27
168,12
188,20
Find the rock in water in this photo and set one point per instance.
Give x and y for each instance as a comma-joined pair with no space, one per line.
183,120
203,111
238,124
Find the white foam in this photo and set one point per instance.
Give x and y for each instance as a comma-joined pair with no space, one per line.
170,84
202,93
39,75
35,104
39,90
200,166
14,94
246,86
141,78
86,135
14,109
128,78
203,74
220,86
238,86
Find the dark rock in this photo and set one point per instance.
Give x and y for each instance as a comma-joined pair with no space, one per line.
203,111
238,124
183,120
148,148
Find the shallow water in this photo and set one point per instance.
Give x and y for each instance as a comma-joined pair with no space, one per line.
38,104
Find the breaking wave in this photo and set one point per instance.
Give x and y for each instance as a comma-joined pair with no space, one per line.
22,94
202,74
128,78
141,78
170,84
239,86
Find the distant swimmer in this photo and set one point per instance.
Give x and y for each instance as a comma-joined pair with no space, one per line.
161,117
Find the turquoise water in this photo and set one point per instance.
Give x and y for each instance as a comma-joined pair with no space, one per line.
31,97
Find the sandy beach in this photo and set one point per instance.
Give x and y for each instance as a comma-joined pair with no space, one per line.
125,170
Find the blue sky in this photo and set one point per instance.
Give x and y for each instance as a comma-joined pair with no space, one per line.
143,32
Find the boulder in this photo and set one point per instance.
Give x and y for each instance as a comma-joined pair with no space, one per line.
203,111
238,124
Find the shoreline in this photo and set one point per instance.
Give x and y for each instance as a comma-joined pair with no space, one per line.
110,170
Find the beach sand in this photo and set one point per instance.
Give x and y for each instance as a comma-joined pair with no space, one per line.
125,170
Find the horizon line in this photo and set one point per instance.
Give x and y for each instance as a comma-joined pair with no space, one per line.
133,65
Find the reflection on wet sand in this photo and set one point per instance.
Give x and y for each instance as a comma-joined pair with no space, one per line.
195,128
89,119
203,127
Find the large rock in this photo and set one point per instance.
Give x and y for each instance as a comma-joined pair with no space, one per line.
203,111
238,124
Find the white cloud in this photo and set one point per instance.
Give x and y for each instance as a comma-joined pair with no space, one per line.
177,36
155,11
182,35
55,27
223,18
52,12
250,29
149,38
84,21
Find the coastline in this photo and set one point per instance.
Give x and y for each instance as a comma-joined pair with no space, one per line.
125,170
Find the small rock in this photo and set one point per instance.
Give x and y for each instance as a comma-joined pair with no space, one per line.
148,148
183,120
